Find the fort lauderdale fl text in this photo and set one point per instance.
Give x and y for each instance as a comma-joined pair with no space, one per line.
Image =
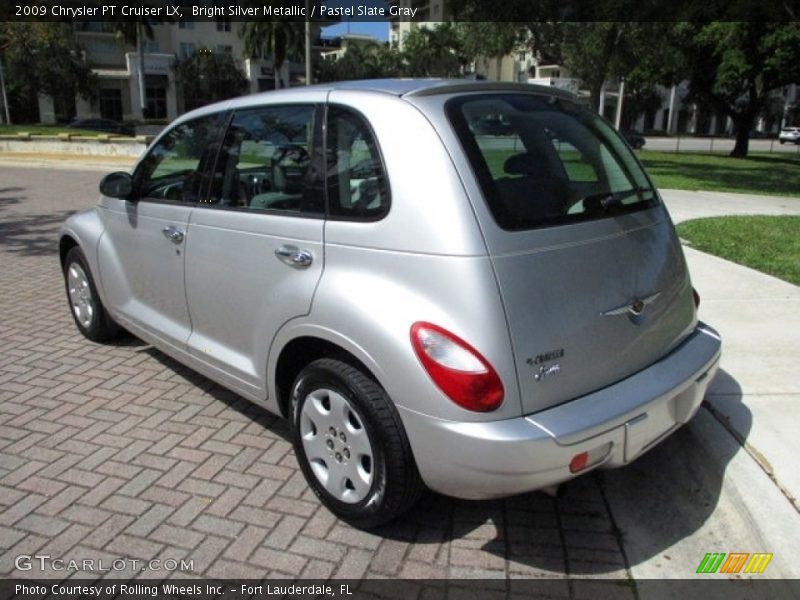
168,589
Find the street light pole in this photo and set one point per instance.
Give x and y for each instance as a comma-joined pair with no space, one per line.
620,99
141,75
308,46
5,98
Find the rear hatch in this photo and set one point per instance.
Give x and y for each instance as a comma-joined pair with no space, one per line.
591,273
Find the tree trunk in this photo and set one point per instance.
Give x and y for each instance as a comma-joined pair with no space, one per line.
595,90
742,125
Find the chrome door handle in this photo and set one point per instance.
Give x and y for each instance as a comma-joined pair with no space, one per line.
293,256
173,234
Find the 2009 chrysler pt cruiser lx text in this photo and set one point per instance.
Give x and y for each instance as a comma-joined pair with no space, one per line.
429,300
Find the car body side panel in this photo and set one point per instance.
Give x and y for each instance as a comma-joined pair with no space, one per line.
142,271
86,228
423,183
372,297
239,292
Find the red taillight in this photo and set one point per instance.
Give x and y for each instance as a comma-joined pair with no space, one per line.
578,462
457,368
696,297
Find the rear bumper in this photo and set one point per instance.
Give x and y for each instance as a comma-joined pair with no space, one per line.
616,425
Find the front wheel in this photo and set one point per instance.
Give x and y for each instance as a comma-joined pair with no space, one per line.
86,308
351,444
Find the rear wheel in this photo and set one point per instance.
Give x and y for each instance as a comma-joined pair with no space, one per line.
85,305
351,445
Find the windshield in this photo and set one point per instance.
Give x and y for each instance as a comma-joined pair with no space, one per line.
544,161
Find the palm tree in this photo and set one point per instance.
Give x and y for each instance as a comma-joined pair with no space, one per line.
278,38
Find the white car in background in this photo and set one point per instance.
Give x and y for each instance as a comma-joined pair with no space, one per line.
789,134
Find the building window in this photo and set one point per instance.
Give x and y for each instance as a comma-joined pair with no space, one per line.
185,24
156,102
224,25
150,46
102,46
185,50
111,103
224,49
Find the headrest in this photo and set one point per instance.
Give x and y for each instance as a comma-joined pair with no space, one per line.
526,164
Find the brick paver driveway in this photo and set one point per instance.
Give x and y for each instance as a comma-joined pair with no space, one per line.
116,451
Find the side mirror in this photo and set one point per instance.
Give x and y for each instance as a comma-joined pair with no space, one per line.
117,185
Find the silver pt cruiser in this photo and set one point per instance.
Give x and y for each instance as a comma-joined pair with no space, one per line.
468,286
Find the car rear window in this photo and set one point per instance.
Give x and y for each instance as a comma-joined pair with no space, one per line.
544,161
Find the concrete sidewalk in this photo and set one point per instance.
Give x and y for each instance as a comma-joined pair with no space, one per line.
684,204
73,162
759,319
722,498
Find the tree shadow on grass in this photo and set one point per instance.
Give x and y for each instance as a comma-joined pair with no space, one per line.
745,177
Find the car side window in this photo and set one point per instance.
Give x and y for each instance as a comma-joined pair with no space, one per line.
173,168
356,182
266,161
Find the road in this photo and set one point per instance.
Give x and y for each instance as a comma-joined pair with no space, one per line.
118,451
715,145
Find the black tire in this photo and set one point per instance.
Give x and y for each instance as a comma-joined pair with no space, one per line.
95,325
395,482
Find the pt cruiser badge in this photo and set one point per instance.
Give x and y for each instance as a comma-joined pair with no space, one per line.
542,371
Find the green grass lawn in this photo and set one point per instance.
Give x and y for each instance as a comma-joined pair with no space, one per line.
774,174
768,244
46,130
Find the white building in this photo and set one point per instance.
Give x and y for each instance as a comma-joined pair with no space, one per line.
116,65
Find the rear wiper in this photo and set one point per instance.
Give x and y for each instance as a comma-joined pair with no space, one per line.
609,200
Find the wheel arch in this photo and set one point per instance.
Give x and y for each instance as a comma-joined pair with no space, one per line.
306,346
65,243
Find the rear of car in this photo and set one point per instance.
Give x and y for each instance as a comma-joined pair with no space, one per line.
789,135
608,353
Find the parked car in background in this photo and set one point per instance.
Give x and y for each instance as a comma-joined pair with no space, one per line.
425,304
789,135
634,138
104,125
491,125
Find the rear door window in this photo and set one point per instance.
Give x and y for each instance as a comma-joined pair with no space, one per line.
546,161
356,181
265,162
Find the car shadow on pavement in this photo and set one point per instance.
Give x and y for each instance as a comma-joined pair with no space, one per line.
665,495
266,419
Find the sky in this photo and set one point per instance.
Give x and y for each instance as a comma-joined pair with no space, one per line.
378,29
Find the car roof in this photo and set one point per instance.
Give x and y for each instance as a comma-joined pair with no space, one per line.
393,87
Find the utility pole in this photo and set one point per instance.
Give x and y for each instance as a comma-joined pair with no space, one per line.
5,98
